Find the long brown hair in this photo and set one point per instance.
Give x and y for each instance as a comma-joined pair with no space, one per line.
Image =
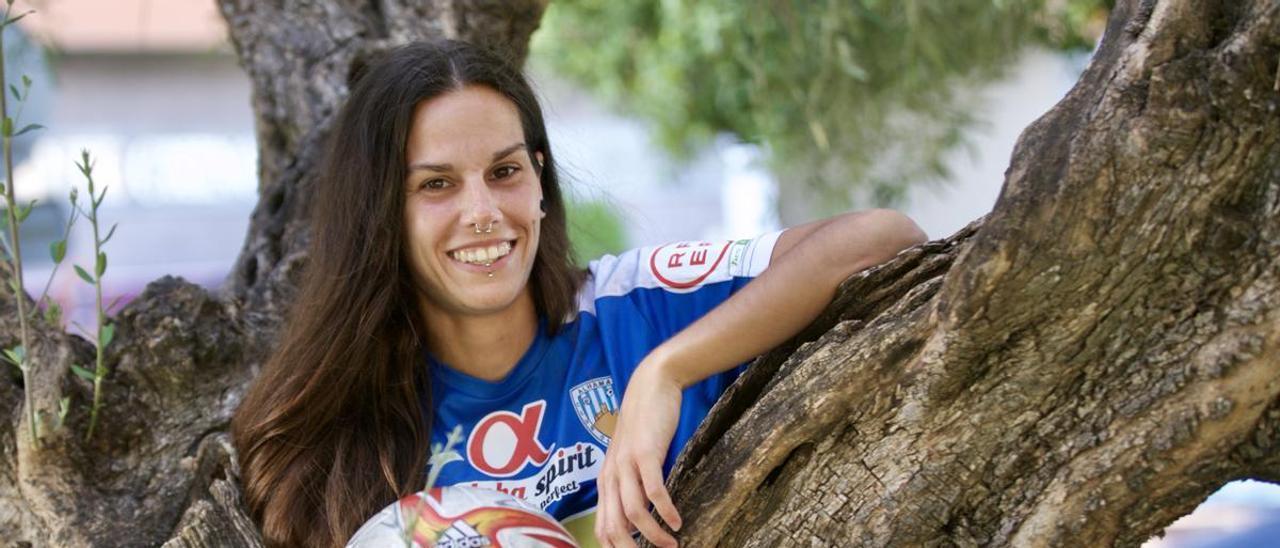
337,426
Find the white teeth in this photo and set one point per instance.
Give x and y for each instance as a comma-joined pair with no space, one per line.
482,255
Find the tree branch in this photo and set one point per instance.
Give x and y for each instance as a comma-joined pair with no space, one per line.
1099,347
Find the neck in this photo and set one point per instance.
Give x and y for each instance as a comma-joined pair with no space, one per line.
483,346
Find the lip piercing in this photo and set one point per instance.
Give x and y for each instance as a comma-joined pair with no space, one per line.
487,229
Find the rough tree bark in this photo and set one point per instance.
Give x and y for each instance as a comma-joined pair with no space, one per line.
161,463
1081,367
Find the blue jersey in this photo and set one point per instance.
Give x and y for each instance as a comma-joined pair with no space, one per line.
541,432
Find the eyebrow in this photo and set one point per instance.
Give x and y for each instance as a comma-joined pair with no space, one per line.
449,167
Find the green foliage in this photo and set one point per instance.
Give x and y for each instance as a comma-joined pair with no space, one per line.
10,241
836,89
82,372
1072,24
106,331
595,229
84,275
16,356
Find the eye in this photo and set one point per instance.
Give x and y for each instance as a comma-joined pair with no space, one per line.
505,172
435,184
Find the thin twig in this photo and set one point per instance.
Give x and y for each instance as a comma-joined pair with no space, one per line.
66,234
16,251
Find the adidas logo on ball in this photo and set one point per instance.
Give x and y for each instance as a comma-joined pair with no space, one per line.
460,534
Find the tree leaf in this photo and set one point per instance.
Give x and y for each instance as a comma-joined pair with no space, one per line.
28,127
64,405
83,373
107,334
26,81
58,251
102,264
18,18
113,304
25,211
53,314
13,20
15,355
14,90
84,275
110,233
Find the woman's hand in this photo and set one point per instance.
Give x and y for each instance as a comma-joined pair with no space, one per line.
631,478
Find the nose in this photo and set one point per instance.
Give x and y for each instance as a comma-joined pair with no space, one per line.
479,205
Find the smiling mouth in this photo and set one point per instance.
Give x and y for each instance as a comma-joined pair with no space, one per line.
486,255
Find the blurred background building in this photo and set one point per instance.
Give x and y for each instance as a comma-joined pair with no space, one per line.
153,90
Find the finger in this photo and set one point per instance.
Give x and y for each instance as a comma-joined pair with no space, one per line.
656,491
611,523
636,508
616,528
603,491
625,541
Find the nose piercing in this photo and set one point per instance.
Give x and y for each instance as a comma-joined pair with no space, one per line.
487,228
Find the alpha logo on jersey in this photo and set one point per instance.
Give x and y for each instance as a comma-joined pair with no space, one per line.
503,442
596,406
565,474
686,264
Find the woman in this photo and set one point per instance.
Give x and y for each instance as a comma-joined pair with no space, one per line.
441,292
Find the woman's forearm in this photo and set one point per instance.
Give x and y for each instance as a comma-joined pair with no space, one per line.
797,286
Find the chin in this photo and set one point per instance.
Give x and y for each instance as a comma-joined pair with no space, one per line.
493,300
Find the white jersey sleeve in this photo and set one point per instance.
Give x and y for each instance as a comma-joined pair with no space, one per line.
672,285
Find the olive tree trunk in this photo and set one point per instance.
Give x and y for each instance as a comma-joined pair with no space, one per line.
160,466
1081,367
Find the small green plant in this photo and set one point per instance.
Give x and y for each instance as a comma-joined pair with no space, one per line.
16,214
440,456
58,252
105,330
12,247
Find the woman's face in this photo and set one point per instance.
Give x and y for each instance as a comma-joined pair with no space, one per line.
469,170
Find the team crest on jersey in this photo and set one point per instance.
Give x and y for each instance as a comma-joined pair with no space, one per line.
686,264
596,406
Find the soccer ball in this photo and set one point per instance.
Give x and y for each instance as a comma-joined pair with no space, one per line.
462,517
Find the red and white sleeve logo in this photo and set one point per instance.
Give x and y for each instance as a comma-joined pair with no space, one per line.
686,264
